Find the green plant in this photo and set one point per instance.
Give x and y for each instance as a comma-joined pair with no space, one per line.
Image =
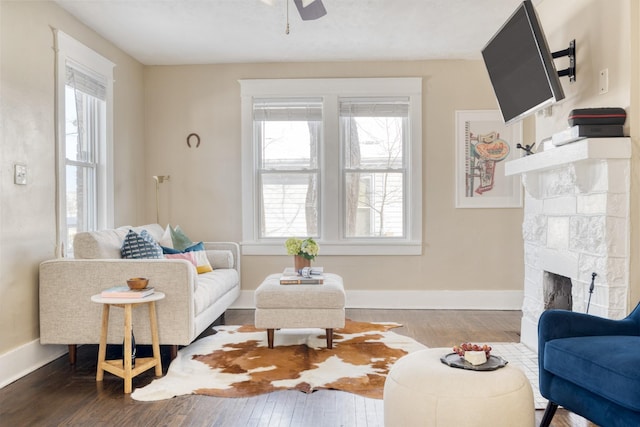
307,248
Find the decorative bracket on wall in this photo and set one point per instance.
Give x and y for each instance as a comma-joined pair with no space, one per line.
571,53
193,136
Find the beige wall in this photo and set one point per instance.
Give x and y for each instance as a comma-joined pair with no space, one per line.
464,249
602,30
605,38
27,217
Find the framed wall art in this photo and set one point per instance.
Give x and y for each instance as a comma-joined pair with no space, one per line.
483,145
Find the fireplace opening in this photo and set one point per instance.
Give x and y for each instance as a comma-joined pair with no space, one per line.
557,291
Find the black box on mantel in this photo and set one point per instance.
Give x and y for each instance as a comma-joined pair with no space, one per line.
597,116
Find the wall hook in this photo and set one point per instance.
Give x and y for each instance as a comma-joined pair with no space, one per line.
197,138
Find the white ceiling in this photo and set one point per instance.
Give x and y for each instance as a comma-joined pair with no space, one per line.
167,32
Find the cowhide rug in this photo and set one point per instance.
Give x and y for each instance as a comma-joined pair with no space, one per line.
236,362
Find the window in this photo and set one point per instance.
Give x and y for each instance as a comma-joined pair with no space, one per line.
335,159
373,136
84,92
288,133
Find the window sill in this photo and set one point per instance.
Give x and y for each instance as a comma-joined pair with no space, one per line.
333,248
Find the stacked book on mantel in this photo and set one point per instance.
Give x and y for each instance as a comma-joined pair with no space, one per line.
126,292
306,276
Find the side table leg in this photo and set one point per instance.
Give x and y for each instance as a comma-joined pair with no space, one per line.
154,338
126,351
102,348
330,338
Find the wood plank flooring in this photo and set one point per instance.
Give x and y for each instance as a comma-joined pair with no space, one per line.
62,395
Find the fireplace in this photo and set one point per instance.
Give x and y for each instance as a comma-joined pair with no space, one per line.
576,223
557,291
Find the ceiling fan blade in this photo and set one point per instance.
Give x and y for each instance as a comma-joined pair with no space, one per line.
311,11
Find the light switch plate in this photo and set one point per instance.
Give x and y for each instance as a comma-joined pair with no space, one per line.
20,174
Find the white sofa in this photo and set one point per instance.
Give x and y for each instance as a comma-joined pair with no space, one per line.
193,301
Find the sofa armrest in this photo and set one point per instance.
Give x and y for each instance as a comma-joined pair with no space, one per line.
67,315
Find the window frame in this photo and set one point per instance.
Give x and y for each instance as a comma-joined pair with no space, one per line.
71,52
332,239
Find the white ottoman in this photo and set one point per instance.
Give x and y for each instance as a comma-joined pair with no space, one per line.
420,390
300,306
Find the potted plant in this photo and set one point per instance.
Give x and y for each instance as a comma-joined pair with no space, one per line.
303,251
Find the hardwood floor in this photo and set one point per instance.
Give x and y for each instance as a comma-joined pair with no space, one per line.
62,395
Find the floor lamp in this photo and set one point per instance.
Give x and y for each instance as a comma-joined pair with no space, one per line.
159,179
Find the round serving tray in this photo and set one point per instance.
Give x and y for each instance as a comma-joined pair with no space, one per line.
455,361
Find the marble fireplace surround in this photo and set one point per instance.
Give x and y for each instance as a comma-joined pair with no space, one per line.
576,222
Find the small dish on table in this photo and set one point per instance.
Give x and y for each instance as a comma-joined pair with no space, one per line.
473,357
137,282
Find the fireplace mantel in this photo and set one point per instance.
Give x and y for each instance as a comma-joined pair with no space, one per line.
585,149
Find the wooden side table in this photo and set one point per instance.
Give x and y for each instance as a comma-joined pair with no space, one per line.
119,367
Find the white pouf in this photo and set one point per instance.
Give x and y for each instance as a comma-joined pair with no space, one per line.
420,390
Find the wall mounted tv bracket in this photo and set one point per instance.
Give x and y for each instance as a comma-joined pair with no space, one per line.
571,53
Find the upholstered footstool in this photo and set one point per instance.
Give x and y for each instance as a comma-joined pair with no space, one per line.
422,391
300,306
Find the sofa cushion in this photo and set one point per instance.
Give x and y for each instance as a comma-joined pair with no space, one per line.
140,246
103,244
106,244
212,286
605,365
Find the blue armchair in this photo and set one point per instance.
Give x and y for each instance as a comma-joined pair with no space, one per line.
590,366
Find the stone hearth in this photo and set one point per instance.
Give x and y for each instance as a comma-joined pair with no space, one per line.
576,222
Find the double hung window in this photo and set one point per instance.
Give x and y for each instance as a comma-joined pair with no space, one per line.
373,138
335,159
288,132
84,90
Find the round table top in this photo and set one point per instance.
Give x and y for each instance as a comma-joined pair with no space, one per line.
156,296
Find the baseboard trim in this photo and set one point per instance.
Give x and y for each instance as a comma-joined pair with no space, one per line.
408,300
20,361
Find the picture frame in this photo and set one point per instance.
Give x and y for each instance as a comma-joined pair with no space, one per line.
483,145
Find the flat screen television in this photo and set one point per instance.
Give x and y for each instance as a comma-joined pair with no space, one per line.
521,67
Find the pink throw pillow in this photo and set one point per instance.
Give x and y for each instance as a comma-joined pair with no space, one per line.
189,256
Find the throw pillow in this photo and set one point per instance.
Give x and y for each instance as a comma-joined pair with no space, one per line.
188,256
168,250
166,240
203,264
139,246
179,239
